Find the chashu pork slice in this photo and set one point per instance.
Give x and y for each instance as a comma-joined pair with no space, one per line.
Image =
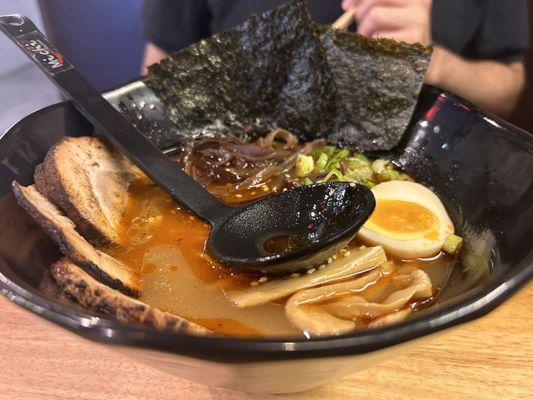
62,230
76,284
88,179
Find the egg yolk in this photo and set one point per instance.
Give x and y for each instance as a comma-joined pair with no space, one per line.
403,220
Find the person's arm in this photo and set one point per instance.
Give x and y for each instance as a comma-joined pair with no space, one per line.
494,86
491,84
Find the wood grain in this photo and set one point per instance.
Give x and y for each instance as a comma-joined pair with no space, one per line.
491,358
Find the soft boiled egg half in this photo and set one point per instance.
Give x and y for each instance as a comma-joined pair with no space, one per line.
409,220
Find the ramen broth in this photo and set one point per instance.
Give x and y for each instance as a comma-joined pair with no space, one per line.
166,245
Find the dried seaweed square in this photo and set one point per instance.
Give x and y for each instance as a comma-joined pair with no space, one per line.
280,70
377,84
269,72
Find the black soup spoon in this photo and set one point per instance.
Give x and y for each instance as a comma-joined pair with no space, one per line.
281,233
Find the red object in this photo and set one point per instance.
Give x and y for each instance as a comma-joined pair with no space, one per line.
432,112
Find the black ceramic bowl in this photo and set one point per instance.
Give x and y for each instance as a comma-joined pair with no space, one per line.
481,166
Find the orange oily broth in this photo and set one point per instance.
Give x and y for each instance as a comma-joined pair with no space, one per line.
166,245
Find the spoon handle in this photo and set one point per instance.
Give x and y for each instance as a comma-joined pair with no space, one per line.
133,144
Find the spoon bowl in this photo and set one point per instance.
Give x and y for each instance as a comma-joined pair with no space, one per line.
291,230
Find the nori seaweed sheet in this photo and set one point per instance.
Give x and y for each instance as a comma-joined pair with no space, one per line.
378,82
269,72
282,70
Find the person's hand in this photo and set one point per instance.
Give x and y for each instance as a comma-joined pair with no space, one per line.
406,20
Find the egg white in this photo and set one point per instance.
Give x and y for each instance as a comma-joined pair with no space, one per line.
413,247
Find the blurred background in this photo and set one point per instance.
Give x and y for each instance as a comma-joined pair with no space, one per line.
102,39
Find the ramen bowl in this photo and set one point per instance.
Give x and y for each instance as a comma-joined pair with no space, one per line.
479,165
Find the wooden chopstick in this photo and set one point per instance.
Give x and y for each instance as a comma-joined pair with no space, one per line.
345,20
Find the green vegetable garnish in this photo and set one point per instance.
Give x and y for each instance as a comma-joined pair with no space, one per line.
358,163
452,244
321,162
379,165
329,150
334,173
307,181
361,158
369,184
342,165
304,165
359,175
389,175
340,155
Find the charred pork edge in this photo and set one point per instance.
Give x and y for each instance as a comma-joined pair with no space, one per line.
84,289
132,289
49,181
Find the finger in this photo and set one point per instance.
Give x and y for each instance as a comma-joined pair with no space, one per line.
382,19
349,4
346,5
366,6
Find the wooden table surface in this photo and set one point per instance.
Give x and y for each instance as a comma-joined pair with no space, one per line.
491,358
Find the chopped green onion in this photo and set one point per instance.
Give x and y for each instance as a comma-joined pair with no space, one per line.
359,174
379,165
332,164
321,162
369,184
356,163
341,154
332,173
389,175
316,153
361,159
304,165
329,150
356,166
452,244
336,158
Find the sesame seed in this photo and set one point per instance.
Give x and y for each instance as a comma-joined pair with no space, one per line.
254,283
310,271
284,189
352,184
265,188
322,266
347,253
263,279
295,275
334,257
287,176
253,193
330,260
238,195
